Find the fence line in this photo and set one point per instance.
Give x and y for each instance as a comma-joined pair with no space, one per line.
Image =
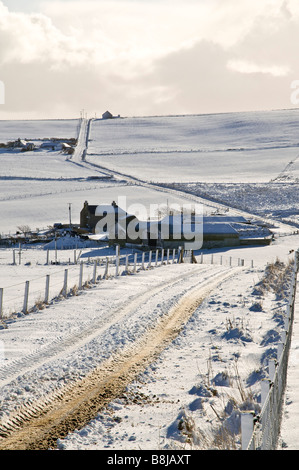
261,432
40,290
23,297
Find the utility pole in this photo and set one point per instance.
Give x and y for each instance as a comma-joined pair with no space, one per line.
70,214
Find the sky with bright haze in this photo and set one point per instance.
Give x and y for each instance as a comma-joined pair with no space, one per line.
146,57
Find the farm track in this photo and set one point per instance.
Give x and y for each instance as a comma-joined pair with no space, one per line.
38,425
62,345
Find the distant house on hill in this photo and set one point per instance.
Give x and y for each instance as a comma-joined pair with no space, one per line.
54,145
20,143
107,115
28,147
23,145
48,145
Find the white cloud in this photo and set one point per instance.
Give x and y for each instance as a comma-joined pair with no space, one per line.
28,38
243,66
149,57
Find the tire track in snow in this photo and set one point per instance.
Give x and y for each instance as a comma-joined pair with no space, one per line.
39,425
62,345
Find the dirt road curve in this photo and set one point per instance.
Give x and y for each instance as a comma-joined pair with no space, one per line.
40,427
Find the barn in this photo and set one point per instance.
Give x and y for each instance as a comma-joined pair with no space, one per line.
107,115
175,231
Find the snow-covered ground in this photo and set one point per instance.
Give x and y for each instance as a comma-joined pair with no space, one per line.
39,129
223,148
214,366
274,200
234,327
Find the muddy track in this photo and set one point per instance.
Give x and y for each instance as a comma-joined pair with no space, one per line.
40,425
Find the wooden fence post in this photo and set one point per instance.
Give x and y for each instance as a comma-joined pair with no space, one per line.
1,303
142,262
81,275
265,388
135,262
287,319
150,259
280,347
13,257
157,256
55,250
181,255
117,261
20,253
127,263
272,368
94,279
47,289
26,295
167,259
162,256
64,292
106,268
247,426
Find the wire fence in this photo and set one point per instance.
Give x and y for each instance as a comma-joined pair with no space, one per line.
261,432
66,277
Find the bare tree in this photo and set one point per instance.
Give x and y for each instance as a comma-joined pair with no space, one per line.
25,229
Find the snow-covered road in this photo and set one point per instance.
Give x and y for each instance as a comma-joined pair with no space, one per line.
81,147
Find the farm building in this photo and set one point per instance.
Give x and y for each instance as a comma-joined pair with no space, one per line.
174,231
54,145
109,219
88,219
29,146
116,225
107,115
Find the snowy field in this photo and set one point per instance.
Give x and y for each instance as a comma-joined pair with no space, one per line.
213,368
39,129
37,187
223,148
275,200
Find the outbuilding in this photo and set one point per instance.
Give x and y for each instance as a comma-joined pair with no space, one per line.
107,115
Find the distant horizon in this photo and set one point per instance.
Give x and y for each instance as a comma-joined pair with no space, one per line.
155,115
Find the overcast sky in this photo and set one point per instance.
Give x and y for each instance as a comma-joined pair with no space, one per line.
146,57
